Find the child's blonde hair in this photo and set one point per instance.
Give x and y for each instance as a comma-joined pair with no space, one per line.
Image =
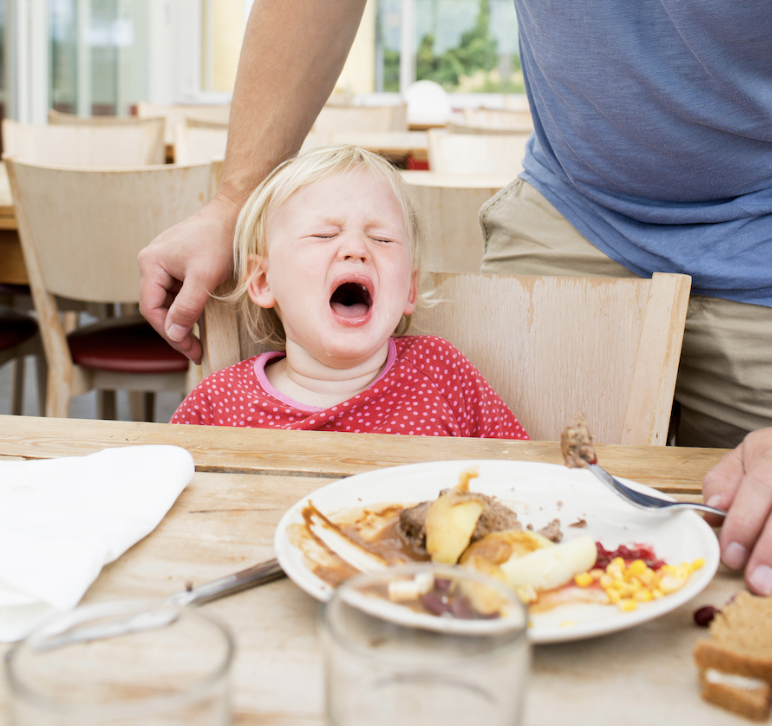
263,324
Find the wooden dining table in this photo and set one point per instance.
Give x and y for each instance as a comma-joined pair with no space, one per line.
246,479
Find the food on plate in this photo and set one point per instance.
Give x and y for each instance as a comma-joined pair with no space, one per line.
494,516
576,444
736,663
478,531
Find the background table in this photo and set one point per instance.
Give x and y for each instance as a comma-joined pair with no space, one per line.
246,479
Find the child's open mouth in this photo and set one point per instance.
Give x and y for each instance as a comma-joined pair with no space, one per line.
351,300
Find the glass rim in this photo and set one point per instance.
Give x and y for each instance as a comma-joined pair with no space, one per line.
517,631
18,688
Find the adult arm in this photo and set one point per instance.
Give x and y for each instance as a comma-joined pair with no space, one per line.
292,55
742,483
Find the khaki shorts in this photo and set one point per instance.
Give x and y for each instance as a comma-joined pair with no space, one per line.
724,385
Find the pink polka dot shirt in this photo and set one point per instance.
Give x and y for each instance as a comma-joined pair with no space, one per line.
427,388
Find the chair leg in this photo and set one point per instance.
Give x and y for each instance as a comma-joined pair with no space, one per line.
58,395
41,370
142,406
17,386
106,406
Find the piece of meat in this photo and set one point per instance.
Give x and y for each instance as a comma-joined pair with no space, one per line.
576,444
552,531
495,517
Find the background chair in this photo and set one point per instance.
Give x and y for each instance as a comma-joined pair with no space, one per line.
486,119
449,205
81,231
451,153
176,113
194,145
109,145
334,119
550,346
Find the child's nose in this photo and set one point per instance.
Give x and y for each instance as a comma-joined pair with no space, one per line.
354,247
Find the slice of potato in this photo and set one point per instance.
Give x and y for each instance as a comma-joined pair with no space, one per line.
498,547
551,567
450,523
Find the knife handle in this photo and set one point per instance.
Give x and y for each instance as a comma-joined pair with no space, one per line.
258,574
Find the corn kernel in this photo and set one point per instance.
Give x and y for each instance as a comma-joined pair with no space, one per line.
634,585
597,573
526,593
615,571
647,577
644,596
619,562
637,568
683,571
656,593
584,579
627,605
698,564
606,581
613,595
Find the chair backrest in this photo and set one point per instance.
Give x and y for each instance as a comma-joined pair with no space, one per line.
59,118
360,118
488,118
193,145
82,229
449,205
198,121
106,145
476,153
550,346
176,113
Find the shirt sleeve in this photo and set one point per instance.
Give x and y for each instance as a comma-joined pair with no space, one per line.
195,408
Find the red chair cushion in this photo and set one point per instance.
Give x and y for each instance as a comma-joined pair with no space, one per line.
124,347
15,328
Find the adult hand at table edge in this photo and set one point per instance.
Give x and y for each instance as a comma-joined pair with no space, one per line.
181,267
742,483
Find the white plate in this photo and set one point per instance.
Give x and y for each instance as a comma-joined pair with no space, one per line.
539,493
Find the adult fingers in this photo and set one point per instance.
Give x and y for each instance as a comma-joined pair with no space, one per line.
758,573
751,504
721,483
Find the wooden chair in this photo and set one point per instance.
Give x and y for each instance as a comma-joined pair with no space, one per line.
449,205
176,114
490,154
333,119
107,145
484,119
194,145
550,346
81,231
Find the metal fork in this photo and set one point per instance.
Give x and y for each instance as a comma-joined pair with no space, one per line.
646,501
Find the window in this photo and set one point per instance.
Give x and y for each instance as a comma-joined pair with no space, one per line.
467,46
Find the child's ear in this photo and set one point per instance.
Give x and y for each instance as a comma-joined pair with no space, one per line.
412,295
259,288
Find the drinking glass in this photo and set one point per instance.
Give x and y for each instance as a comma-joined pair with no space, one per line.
390,658
173,675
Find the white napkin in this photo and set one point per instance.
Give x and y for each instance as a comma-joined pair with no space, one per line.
61,520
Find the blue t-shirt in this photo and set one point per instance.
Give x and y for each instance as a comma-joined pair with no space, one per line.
653,133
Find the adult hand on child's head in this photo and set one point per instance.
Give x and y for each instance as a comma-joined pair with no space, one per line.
742,483
181,267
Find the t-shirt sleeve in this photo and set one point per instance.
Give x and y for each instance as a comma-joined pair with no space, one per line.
480,411
194,409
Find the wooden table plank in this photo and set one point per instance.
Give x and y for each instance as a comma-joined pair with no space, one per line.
335,455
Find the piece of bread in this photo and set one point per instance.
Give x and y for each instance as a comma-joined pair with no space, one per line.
740,646
748,697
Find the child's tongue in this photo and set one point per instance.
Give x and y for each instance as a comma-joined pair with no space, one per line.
357,310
